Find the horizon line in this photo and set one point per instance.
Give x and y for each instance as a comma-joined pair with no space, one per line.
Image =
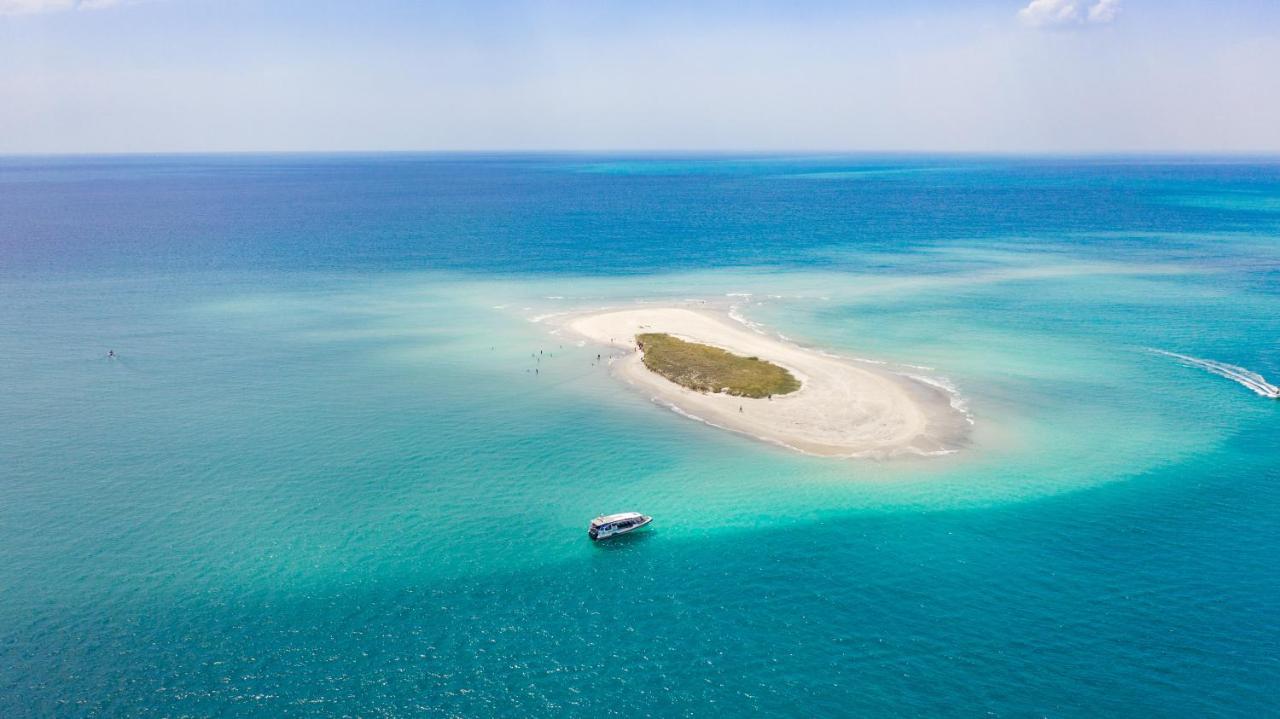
687,152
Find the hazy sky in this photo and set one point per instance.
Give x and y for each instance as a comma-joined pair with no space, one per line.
984,75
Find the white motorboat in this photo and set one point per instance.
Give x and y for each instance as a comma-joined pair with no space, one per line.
610,525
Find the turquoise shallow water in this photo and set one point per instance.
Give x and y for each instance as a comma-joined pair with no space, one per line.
321,480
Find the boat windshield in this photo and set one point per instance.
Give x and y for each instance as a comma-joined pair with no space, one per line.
613,519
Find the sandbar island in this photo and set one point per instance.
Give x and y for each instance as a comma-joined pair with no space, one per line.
709,367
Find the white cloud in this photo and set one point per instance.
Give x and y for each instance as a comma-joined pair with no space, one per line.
31,7
1105,11
1057,13
1050,12
25,7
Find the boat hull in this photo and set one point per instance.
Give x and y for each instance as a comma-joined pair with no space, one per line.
598,536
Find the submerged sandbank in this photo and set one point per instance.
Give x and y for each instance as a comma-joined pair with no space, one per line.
843,408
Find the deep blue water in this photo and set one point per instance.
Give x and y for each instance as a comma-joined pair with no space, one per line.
320,481
572,214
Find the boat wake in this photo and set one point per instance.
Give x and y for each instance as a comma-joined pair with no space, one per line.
1240,375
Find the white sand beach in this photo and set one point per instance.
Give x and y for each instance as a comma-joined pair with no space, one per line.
844,408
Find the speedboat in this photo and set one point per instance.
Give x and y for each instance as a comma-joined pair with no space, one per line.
610,525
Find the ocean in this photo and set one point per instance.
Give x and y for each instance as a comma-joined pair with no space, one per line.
319,476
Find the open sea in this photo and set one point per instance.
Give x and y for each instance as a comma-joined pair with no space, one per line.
320,478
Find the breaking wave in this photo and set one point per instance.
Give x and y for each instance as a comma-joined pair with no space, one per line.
737,316
954,398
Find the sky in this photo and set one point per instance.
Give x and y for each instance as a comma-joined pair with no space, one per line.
1008,76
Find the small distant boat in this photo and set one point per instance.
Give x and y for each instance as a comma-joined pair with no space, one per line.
610,525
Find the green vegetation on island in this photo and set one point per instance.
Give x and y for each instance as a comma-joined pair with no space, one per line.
711,369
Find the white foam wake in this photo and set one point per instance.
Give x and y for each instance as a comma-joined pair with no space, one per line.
1240,375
